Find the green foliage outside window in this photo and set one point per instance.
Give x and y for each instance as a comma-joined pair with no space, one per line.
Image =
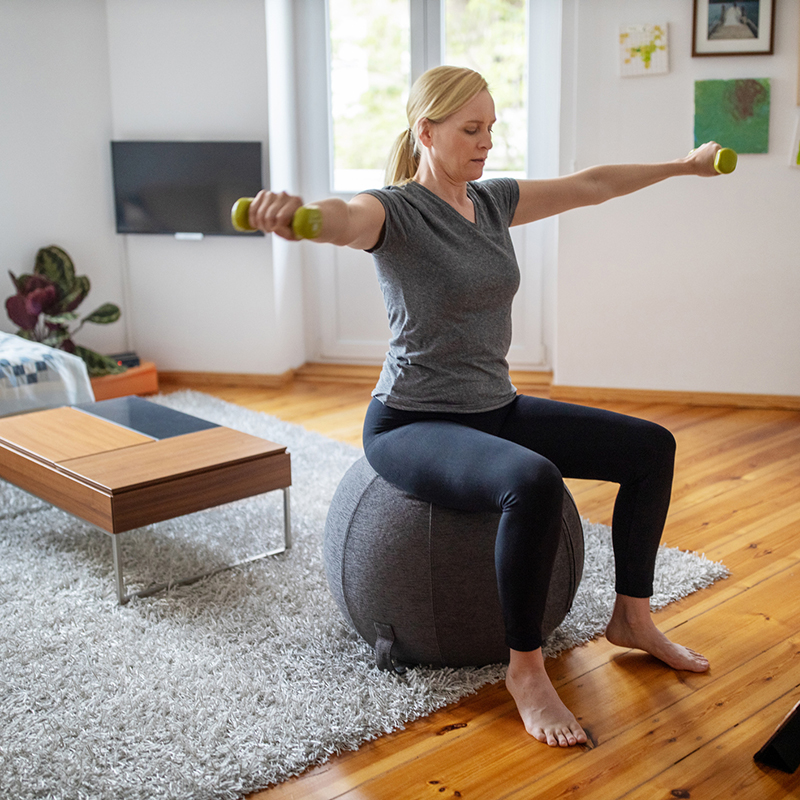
371,67
489,36
369,80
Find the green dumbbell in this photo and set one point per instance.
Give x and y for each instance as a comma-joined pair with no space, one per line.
306,222
239,214
725,160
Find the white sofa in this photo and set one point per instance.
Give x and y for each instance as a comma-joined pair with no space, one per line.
34,376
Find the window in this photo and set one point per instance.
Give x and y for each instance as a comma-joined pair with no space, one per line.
370,78
489,36
371,68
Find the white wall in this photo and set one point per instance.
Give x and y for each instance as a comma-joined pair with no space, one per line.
196,70
692,284
55,171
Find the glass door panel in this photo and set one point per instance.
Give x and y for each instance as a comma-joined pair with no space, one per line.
370,69
490,36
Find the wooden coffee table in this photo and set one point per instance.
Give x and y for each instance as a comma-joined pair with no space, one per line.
124,463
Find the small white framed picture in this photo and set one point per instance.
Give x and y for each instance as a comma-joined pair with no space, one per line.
643,50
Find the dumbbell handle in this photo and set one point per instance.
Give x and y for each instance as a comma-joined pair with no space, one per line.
306,222
725,160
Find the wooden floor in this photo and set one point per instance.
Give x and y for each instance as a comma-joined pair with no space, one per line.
655,733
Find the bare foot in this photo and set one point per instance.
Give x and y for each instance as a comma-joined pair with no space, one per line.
545,717
632,626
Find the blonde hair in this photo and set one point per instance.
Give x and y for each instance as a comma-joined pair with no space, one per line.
435,95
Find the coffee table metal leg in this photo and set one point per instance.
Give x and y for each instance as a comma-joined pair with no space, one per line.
123,596
287,522
117,556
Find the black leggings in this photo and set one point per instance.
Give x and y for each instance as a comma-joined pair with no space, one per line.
512,460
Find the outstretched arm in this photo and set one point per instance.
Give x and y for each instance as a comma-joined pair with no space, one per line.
356,223
545,198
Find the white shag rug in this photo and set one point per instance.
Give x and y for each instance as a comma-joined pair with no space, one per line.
234,683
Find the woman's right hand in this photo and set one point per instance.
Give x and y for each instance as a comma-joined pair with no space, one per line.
701,159
272,212
357,223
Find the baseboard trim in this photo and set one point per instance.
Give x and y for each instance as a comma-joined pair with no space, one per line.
591,394
528,382
369,373
322,372
243,379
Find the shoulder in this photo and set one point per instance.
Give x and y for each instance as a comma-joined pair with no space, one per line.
393,208
411,213
402,204
497,188
499,194
387,196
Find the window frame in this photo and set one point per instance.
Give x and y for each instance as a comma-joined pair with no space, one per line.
427,46
337,281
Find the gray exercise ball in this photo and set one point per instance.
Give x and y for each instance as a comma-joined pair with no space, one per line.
417,581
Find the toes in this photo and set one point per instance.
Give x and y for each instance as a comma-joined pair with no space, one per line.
560,737
572,736
699,662
541,735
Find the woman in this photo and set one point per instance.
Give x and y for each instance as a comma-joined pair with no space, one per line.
445,423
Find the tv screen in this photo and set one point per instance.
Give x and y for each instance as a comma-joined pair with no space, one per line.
183,187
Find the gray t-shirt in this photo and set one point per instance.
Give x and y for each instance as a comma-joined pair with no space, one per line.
448,285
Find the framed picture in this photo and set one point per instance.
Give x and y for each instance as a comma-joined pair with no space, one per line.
643,50
734,113
733,28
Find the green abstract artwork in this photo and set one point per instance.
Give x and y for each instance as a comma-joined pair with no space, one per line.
734,113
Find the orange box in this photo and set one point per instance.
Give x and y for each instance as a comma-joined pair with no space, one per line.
135,380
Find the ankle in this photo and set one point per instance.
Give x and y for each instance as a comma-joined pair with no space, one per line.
631,611
522,663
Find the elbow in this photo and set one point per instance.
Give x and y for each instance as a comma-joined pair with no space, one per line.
599,191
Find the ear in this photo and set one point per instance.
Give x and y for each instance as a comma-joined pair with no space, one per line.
424,136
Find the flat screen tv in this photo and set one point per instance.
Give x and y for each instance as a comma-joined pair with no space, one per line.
183,187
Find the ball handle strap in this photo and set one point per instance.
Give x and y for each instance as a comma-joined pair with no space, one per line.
306,222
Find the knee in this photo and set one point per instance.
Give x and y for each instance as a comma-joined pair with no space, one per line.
662,443
534,484
656,449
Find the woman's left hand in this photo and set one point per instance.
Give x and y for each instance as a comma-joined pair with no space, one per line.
701,159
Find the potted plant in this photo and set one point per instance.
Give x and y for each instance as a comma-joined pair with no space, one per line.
44,308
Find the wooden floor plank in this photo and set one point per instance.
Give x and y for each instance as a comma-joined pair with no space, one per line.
690,726
736,500
616,729
731,752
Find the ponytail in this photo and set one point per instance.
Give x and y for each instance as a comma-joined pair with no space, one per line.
403,159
